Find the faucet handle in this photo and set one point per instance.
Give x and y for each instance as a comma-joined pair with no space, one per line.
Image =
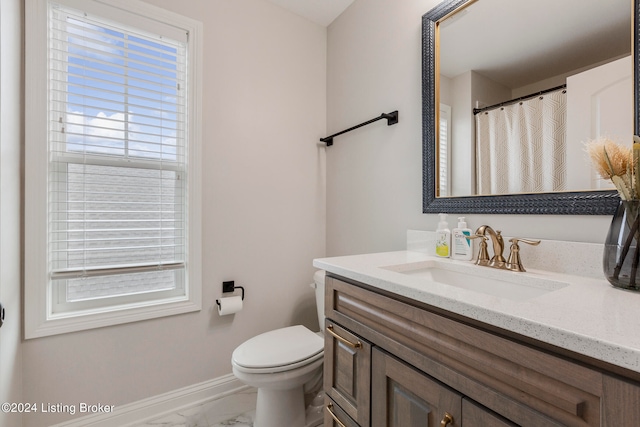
483,253
528,241
514,262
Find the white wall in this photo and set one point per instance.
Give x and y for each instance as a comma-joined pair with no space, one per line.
10,206
374,175
462,133
487,92
264,108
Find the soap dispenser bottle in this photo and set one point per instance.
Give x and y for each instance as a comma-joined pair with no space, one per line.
443,237
461,247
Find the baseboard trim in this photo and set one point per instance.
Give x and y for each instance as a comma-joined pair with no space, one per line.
157,406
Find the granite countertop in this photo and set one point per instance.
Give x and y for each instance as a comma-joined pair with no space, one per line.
587,316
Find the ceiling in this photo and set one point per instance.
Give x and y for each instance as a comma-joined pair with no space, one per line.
321,12
517,42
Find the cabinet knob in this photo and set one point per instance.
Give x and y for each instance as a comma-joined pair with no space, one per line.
446,420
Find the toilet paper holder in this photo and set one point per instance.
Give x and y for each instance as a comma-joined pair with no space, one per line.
230,286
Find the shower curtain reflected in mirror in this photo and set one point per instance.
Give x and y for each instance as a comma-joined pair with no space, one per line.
521,147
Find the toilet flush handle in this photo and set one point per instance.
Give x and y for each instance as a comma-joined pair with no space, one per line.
343,340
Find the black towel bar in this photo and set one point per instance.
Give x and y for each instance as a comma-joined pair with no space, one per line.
392,119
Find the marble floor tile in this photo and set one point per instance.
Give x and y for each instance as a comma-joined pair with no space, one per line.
244,420
237,410
226,408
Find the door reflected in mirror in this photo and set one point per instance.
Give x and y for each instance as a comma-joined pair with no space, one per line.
520,86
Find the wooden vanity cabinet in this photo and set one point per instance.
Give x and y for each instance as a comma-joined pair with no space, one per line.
415,366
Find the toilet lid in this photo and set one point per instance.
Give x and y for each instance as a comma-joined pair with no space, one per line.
281,347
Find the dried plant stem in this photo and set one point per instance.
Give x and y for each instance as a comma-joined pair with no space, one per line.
635,166
625,249
634,267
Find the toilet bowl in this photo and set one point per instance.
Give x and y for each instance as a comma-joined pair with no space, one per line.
284,365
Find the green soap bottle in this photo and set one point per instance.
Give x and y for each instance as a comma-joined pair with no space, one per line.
443,237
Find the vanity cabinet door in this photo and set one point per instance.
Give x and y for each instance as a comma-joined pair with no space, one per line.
405,397
621,405
347,372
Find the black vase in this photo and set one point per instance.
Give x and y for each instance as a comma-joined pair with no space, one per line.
621,250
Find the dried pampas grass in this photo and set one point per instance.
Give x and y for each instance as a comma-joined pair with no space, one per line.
618,163
609,158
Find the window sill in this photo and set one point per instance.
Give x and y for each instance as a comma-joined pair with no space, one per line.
79,321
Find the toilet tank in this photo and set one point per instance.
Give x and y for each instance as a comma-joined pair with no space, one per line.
318,283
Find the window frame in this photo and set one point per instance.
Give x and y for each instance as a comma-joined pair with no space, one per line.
39,317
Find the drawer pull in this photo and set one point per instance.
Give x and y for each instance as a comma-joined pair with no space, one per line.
446,420
329,409
343,340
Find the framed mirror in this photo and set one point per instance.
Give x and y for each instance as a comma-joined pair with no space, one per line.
441,21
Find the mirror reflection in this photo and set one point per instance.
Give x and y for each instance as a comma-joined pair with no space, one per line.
521,85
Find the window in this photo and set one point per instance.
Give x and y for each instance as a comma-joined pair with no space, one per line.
115,159
444,157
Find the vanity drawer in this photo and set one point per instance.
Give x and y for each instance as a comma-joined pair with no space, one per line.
477,416
523,384
347,371
334,416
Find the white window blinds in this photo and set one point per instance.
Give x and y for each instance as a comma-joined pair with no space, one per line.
444,142
117,204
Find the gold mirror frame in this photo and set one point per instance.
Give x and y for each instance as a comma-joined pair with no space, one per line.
602,202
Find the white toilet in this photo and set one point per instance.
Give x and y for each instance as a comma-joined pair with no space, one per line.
285,365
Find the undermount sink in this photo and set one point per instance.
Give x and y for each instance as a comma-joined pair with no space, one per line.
501,283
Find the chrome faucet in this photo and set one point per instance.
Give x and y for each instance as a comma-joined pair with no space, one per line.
497,261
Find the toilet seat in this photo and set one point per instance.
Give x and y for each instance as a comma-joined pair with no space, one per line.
278,351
